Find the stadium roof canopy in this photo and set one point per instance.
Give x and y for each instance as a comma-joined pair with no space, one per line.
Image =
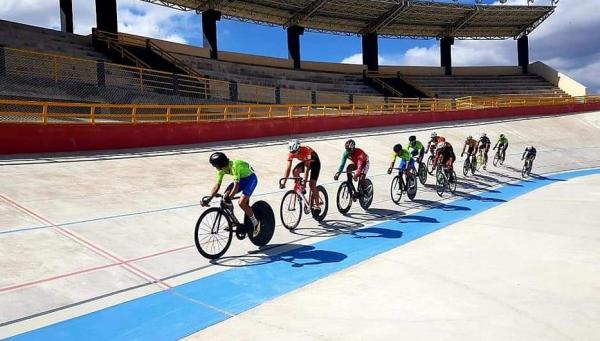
388,18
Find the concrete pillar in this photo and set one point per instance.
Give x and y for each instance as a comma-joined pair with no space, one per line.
523,52
293,40
100,74
106,15
233,91
370,51
209,30
66,16
446,53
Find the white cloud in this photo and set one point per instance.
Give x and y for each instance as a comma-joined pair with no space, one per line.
134,16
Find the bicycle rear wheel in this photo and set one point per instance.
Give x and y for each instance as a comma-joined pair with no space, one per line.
366,188
213,233
290,210
323,204
266,218
452,180
396,189
344,200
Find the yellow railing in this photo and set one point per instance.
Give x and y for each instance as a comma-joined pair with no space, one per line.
90,113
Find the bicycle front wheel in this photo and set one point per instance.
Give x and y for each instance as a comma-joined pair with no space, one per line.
430,164
290,210
466,167
396,189
213,233
344,199
452,180
440,182
422,173
496,159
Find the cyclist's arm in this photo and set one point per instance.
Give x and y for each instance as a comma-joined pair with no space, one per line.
217,185
343,162
288,168
464,148
523,156
393,160
234,190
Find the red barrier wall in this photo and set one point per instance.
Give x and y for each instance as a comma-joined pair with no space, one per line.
37,138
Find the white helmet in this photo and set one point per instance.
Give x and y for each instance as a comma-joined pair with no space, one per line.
469,137
441,145
293,146
483,135
434,134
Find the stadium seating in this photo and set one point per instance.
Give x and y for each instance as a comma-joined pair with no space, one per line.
489,85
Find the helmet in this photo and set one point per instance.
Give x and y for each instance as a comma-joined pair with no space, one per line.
397,148
350,145
469,137
441,145
433,135
218,160
483,135
412,138
501,135
294,145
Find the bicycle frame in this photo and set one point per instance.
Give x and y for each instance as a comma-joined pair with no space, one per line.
303,200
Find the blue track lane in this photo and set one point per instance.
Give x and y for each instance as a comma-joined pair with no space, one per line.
191,307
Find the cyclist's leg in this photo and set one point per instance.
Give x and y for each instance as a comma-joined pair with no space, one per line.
504,147
351,167
298,169
315,170
247,187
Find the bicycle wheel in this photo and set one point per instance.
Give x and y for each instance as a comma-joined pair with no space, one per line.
396,189
524,170
290,210
430,164
466,166
473,166
366,188
479,161
266,218
422,173
323,204
213,233
411,191
529,167
344,200
440,182
452,183
496,159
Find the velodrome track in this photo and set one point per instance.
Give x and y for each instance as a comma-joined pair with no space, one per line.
84,232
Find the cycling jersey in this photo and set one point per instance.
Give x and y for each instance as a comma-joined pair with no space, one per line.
417,149
358,157
485,141
237,168
502,140
471,143
447,153
529,152
303,154
404,155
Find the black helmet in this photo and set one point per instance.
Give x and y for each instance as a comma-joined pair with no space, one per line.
412,138
397,148
218,160
350,145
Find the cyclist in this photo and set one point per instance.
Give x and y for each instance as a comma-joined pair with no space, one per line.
416,148
309,164
529,154
445,155
244,180
484,145
472,151
502,145
435,139
405,157
360,162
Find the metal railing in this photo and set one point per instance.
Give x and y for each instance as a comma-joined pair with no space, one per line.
90,113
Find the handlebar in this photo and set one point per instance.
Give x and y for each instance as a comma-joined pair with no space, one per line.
296,178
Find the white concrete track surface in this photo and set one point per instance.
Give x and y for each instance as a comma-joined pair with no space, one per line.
87,231
525,270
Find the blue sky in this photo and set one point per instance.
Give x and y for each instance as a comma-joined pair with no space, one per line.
567,40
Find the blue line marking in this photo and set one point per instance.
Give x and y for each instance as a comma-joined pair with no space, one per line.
191,307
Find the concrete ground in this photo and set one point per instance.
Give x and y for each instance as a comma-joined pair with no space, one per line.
88,231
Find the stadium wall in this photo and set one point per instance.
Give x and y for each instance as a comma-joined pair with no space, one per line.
564,82
37,138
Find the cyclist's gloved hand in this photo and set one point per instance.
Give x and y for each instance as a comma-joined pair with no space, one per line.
336,176
205,201
355,177
281,185
389,171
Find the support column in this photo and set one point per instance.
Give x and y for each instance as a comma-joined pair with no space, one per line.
106,15
293,40
209,30
66,16
446,54
370,51
523,52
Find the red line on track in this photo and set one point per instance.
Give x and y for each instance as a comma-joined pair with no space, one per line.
95,248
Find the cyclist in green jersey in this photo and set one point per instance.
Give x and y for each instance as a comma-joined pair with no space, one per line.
502,145
244,180
405,159
416,148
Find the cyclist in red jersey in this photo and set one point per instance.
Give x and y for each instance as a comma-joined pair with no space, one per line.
309,164
435,139
360,162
